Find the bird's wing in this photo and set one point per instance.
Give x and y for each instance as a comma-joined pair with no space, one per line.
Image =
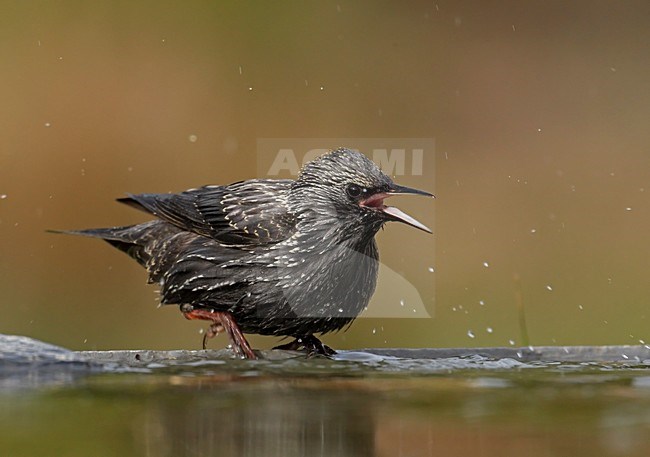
250,212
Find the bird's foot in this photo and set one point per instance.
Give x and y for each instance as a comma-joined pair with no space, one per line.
310,344
212,331
222,321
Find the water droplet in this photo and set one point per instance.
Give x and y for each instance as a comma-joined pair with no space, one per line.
539,130
533,230
481,302
374,330
580,307
549,287
511,342
431,269
485,264
322,87
489,330
471,334
628,209
47,124
3,196
401,302
250,88
192,138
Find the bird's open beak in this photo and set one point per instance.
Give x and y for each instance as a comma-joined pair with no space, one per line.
377,201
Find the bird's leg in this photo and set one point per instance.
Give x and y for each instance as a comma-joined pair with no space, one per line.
308,343
221,321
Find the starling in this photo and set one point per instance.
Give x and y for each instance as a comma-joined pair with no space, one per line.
278,257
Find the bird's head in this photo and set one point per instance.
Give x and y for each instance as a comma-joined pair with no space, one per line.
345,186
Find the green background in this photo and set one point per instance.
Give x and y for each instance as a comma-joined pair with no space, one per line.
539,111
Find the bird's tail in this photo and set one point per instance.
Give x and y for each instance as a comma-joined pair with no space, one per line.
114,233
134,240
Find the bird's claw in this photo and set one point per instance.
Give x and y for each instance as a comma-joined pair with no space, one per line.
212,331
309,344
221,322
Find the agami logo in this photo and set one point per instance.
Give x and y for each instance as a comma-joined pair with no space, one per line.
283,157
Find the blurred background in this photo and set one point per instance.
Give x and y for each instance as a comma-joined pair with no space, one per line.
539,111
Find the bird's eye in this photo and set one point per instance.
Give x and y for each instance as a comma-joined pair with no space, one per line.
354,191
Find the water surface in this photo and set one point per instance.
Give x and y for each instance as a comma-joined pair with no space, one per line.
356,405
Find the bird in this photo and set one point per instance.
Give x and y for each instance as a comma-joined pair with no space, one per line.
283,257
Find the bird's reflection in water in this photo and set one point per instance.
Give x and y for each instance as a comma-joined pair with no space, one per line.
267,419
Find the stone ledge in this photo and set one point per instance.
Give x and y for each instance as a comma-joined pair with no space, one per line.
20,351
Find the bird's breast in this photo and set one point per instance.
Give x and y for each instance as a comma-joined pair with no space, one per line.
336,282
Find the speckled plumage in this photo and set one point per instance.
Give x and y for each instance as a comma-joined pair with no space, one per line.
282,257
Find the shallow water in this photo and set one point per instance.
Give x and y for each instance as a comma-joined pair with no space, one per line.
358,404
